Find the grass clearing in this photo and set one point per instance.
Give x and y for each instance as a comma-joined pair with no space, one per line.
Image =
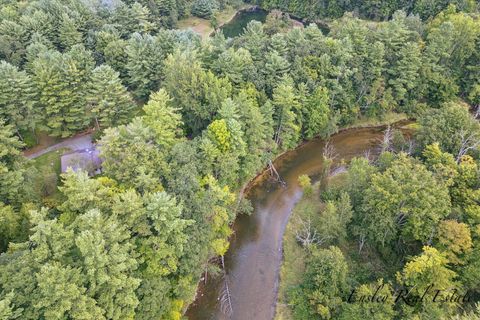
47,180
203,26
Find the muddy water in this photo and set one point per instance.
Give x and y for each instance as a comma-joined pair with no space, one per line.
253,260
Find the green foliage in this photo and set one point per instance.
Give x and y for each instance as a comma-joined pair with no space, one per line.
317,116
305,184
61,81
108,100
163,119
324,282
405,201
285,101
16,97
11,165
198,93
204,8
218,111
426,269
452,127
131,158
332,224
144,64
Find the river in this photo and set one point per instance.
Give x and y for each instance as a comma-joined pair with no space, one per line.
239,22
253,260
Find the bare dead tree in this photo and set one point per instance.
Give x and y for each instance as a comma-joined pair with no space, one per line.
367,154
225,297
401,219
410,147
329,151
477,112
468,141
329,155
361,242
306,234
274,174
386,140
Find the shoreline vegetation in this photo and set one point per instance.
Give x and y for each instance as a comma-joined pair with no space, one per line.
391,118
388,119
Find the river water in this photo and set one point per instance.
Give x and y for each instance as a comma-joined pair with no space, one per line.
254,257
237,25
240,21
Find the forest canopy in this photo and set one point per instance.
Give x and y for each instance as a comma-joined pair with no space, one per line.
182,123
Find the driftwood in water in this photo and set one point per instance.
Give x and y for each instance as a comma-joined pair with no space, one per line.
274,174
225,296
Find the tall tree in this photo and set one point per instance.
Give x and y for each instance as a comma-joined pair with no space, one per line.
198,93
285,101
323,283
61,81
17,98
11,165
317,115
131,158
144,64
108,100
163,119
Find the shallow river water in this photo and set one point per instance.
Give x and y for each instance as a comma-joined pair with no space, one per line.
253,260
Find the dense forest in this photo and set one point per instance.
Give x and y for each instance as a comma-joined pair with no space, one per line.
183,123
369,9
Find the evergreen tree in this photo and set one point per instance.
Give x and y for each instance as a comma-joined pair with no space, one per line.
61,82
108,100
144,64
198,93
68,33
237,66
163,119
17,98
204,8
11,165
285,101
131,158
276,67
317,117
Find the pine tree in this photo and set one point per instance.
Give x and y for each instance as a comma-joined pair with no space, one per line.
163,119
108,100
236,66
317,117
286,104
132,158
11,167
275,68
68,33
198,93
61,82
16,97
204,8
257,132
254,40
144,64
